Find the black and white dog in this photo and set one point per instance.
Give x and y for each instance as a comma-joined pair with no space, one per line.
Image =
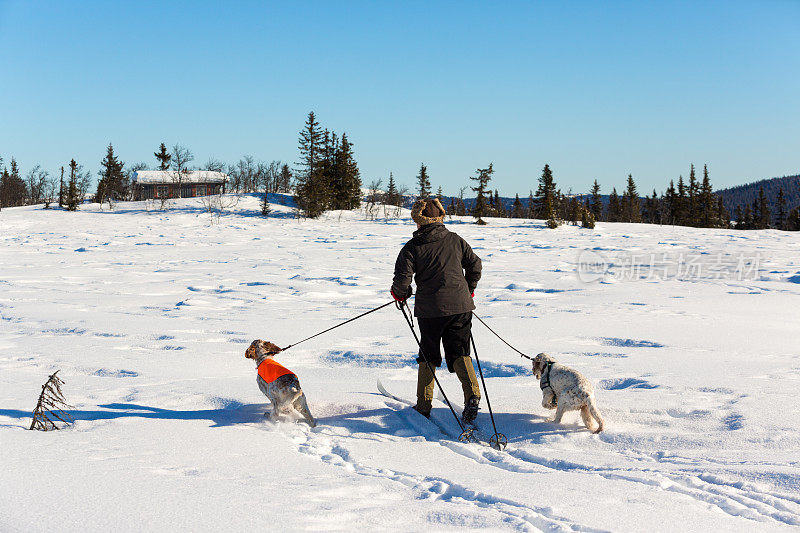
565,389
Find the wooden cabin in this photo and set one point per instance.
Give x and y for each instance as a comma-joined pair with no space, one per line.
160,184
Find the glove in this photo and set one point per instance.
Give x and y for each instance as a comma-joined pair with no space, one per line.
401,299
472,294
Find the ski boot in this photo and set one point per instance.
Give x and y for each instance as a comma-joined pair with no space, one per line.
470,410
422,411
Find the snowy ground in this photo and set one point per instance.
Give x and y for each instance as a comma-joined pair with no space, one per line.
148,313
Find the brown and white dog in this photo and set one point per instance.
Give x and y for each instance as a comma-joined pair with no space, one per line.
278,383
565,389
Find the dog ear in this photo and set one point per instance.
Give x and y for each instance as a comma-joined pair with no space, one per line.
250,353
270,348
538,365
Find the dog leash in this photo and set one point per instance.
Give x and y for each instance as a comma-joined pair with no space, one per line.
501,338
338,325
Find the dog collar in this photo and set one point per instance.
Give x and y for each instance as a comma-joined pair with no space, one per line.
545,381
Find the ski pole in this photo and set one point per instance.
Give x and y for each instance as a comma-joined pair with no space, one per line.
465,434
498,439
338,325
501,338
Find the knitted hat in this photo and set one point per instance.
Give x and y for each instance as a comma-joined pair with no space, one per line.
427,211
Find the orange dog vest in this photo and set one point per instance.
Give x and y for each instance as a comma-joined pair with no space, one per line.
269,370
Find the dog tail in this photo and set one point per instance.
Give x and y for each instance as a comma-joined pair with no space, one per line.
296,393
596,415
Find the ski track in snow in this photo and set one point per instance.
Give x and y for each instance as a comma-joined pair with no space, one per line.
147,314
734,498
324,447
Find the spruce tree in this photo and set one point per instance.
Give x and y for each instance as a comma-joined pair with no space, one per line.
723,218
3,180
13,190
670,203
61,191
655,209
113,182
739,217
331,170
587,218
163,157
391,192
708,205
347,185
681,204
631,208
561,206
484,176
72,200
546,195
756,222
694,200
614,207
597,202
310,194
424,182
748,218
531,209
763,210
517,211
793,221
574,211
650,209
269,180
285,179
497,204
780,216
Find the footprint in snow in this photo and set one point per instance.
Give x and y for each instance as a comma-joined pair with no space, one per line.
629,343
625,383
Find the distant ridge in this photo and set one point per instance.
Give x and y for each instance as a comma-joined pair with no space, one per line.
744,195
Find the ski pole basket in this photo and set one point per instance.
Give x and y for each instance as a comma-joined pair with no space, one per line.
468,435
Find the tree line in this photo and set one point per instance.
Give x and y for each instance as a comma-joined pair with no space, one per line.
691,203
72,184
327,177
781,194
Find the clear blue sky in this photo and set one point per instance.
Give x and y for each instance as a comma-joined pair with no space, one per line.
595,89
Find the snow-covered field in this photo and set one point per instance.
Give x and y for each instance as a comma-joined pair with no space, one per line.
695,360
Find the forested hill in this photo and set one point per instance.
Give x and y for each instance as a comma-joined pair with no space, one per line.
744,195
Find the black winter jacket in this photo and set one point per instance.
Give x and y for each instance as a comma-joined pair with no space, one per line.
447,272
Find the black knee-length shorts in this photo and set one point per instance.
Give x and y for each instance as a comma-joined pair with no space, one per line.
453,332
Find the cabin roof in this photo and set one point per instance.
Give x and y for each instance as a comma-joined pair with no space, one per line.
171,176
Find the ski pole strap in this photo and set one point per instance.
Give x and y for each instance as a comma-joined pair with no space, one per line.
339,325
501,338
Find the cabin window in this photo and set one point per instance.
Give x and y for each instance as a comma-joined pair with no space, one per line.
162,191
201,190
